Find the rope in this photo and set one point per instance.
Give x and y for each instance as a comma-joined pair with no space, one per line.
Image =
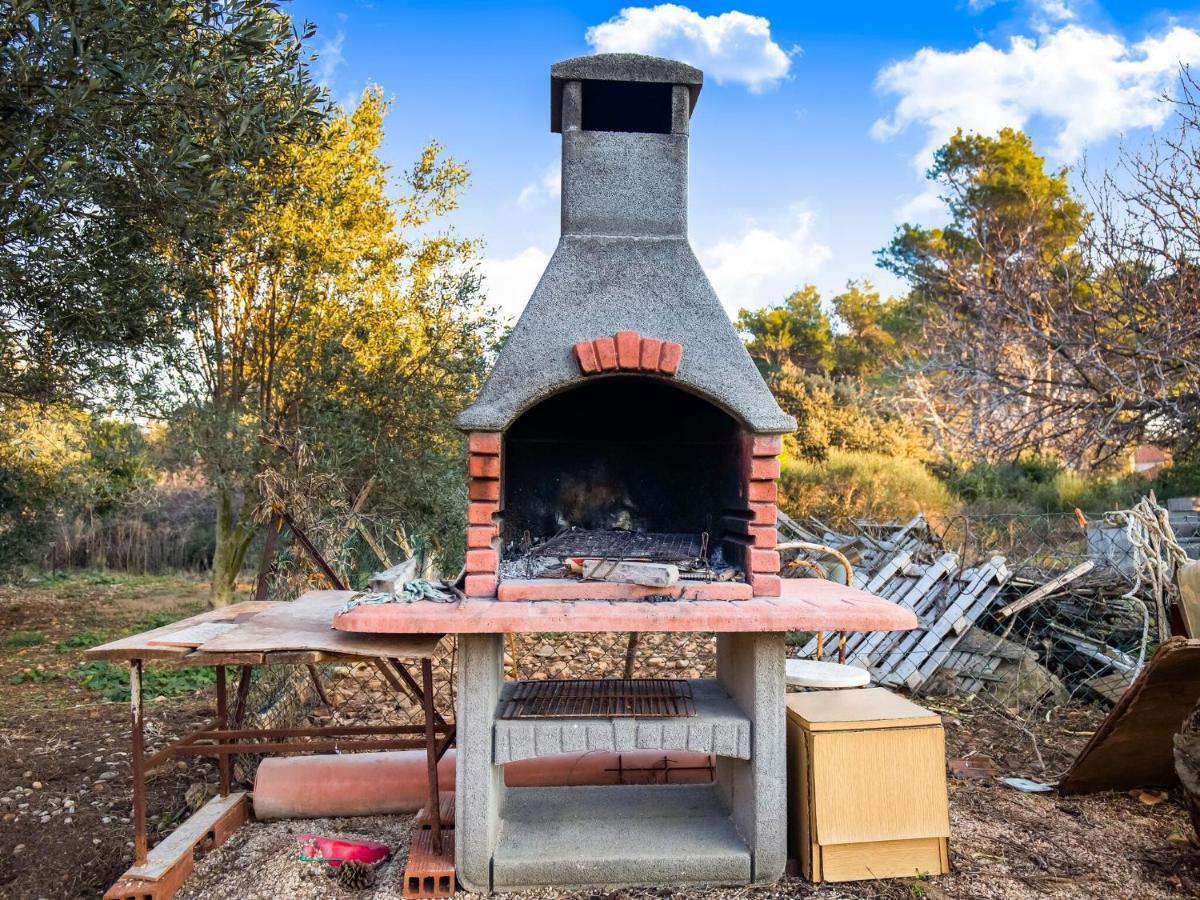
1157,558
412,591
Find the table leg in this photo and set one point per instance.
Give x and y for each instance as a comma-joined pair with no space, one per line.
243,695
223,762
138,763
431,755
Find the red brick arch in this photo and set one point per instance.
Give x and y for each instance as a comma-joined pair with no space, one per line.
628,351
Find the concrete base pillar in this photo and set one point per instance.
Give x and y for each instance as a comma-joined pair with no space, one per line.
479,785
751,668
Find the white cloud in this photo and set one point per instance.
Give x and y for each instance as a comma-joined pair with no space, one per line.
762,266
926,208
1056,10
1043,10
548,185
509,282
1089,85
732,46
330,57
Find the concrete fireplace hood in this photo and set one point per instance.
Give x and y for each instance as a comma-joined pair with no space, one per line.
623,263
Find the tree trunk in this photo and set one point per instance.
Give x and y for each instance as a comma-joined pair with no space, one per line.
234,534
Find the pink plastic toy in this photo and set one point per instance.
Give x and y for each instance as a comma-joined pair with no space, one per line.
335,851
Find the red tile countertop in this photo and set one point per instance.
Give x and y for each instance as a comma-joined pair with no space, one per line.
807,604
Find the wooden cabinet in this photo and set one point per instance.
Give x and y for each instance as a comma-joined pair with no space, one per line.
866,786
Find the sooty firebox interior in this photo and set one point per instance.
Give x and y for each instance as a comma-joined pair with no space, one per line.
621,453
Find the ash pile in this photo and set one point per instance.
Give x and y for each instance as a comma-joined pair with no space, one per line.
1077,620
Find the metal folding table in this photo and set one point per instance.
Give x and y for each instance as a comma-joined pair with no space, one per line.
261,633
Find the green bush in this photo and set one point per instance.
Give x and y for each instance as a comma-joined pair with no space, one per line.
841,414
1043,485
860,484
1181,479
113,681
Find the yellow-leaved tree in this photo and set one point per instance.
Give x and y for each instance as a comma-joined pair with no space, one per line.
339,320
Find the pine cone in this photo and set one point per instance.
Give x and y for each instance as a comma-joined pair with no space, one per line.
197,794
356,875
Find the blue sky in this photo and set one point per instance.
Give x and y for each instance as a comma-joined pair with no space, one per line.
813,128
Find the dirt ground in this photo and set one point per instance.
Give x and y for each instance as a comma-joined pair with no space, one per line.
64,785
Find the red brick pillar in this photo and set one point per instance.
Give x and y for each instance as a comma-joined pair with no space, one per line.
483,491
762,491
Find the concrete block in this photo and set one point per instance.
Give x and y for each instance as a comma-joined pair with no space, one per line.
751,668
479,785
613,836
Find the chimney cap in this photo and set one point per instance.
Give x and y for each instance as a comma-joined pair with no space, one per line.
620,67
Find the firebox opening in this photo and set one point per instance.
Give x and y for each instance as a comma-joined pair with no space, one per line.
626,106
632,466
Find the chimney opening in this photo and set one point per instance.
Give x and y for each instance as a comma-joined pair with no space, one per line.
629,106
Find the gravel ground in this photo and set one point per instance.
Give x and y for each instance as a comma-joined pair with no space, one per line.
1005,844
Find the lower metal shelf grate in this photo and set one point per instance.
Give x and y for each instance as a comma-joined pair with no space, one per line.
599,698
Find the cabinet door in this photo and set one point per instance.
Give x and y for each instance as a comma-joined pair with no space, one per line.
879,785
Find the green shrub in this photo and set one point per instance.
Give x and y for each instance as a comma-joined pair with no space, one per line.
1043,485
1181,479
113,681
866,485
19,639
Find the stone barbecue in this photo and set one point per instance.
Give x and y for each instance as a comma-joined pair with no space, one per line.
623,402
622,477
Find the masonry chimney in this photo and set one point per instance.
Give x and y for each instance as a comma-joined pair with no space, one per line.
624,124
623,262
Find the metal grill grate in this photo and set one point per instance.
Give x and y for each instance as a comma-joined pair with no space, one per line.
649,546
600,698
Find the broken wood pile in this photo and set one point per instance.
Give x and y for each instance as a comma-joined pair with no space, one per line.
1021,632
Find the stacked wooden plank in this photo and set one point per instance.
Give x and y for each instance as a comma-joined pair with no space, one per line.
978,622
947,598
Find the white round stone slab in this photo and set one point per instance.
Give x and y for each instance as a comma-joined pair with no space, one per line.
810,673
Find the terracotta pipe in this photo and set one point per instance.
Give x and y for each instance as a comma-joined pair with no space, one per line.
351,784
393,782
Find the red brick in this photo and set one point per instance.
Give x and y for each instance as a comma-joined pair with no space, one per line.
485,442
480,586
629,348
669,357
429,875
586,354
481,562
481,513
763,513
480,536
481,466
764,469
760,560
766,585
606,353
764,536
651,348
766,445
489,488
757,491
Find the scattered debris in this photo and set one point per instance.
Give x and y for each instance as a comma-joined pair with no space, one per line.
1027,786
1149,798
978,767
1048,628
1133,747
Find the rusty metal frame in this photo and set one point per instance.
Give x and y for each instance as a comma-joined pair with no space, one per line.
217,738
